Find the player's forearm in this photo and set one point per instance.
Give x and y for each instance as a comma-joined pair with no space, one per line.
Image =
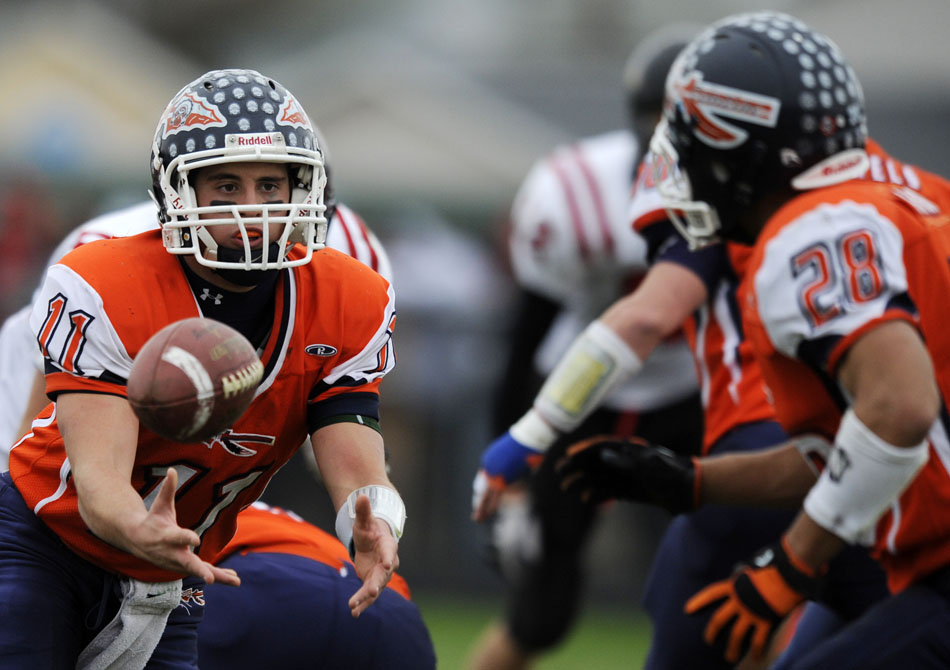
596,362
349,456
100,434
659,306
880,444
811,543
110,508
610,350
777,477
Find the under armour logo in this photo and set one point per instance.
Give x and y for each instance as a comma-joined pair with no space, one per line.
206,294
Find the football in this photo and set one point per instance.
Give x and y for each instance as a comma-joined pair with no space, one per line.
193,379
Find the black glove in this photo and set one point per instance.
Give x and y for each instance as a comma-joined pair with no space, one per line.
604,467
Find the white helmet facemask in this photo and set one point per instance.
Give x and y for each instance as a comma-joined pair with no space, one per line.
695,220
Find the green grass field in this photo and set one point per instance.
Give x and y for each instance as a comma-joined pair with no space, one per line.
606,639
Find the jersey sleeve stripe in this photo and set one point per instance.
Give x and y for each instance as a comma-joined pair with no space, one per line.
364,232
351,246
836,355
582,243
649,219
64,382
596,198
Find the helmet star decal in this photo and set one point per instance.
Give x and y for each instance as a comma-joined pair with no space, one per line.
291,114
711,104
189,112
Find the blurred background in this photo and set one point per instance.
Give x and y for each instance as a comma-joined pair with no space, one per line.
433,111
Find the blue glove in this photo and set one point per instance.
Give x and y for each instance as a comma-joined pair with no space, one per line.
503,462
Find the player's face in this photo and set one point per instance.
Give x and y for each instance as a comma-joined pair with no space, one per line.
241,184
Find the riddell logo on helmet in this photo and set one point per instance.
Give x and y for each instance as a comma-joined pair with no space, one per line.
846,164
232,140
255,140
849,164
710,104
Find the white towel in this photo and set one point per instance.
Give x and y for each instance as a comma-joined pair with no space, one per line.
127,642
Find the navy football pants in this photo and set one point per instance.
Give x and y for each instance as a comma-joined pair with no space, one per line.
292,612
53,603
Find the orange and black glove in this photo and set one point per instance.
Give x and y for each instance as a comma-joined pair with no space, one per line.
759,595
605,467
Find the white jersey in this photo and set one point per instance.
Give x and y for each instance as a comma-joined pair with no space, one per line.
571,242
19,355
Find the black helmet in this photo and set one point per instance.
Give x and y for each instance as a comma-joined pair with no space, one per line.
757,104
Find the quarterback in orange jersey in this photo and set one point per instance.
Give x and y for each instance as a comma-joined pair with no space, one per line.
122,524
844,301
291,606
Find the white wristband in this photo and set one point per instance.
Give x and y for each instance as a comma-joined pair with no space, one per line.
597,361
386,505
863,477
532,431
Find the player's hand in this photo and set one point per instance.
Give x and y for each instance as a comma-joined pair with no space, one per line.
375,558
604,467
504,461
161,541
759,595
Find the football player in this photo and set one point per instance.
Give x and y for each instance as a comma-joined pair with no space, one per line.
290,610
696,289
844,303
604,467
108,529
681,290
397,629
573,254
347,232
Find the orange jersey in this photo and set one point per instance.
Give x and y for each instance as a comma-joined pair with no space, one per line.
328,348
262,528
730,383
830,265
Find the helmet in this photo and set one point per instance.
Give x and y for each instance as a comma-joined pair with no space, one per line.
230,116
644,76
757,105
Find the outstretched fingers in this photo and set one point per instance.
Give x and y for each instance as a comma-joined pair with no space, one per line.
376,557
